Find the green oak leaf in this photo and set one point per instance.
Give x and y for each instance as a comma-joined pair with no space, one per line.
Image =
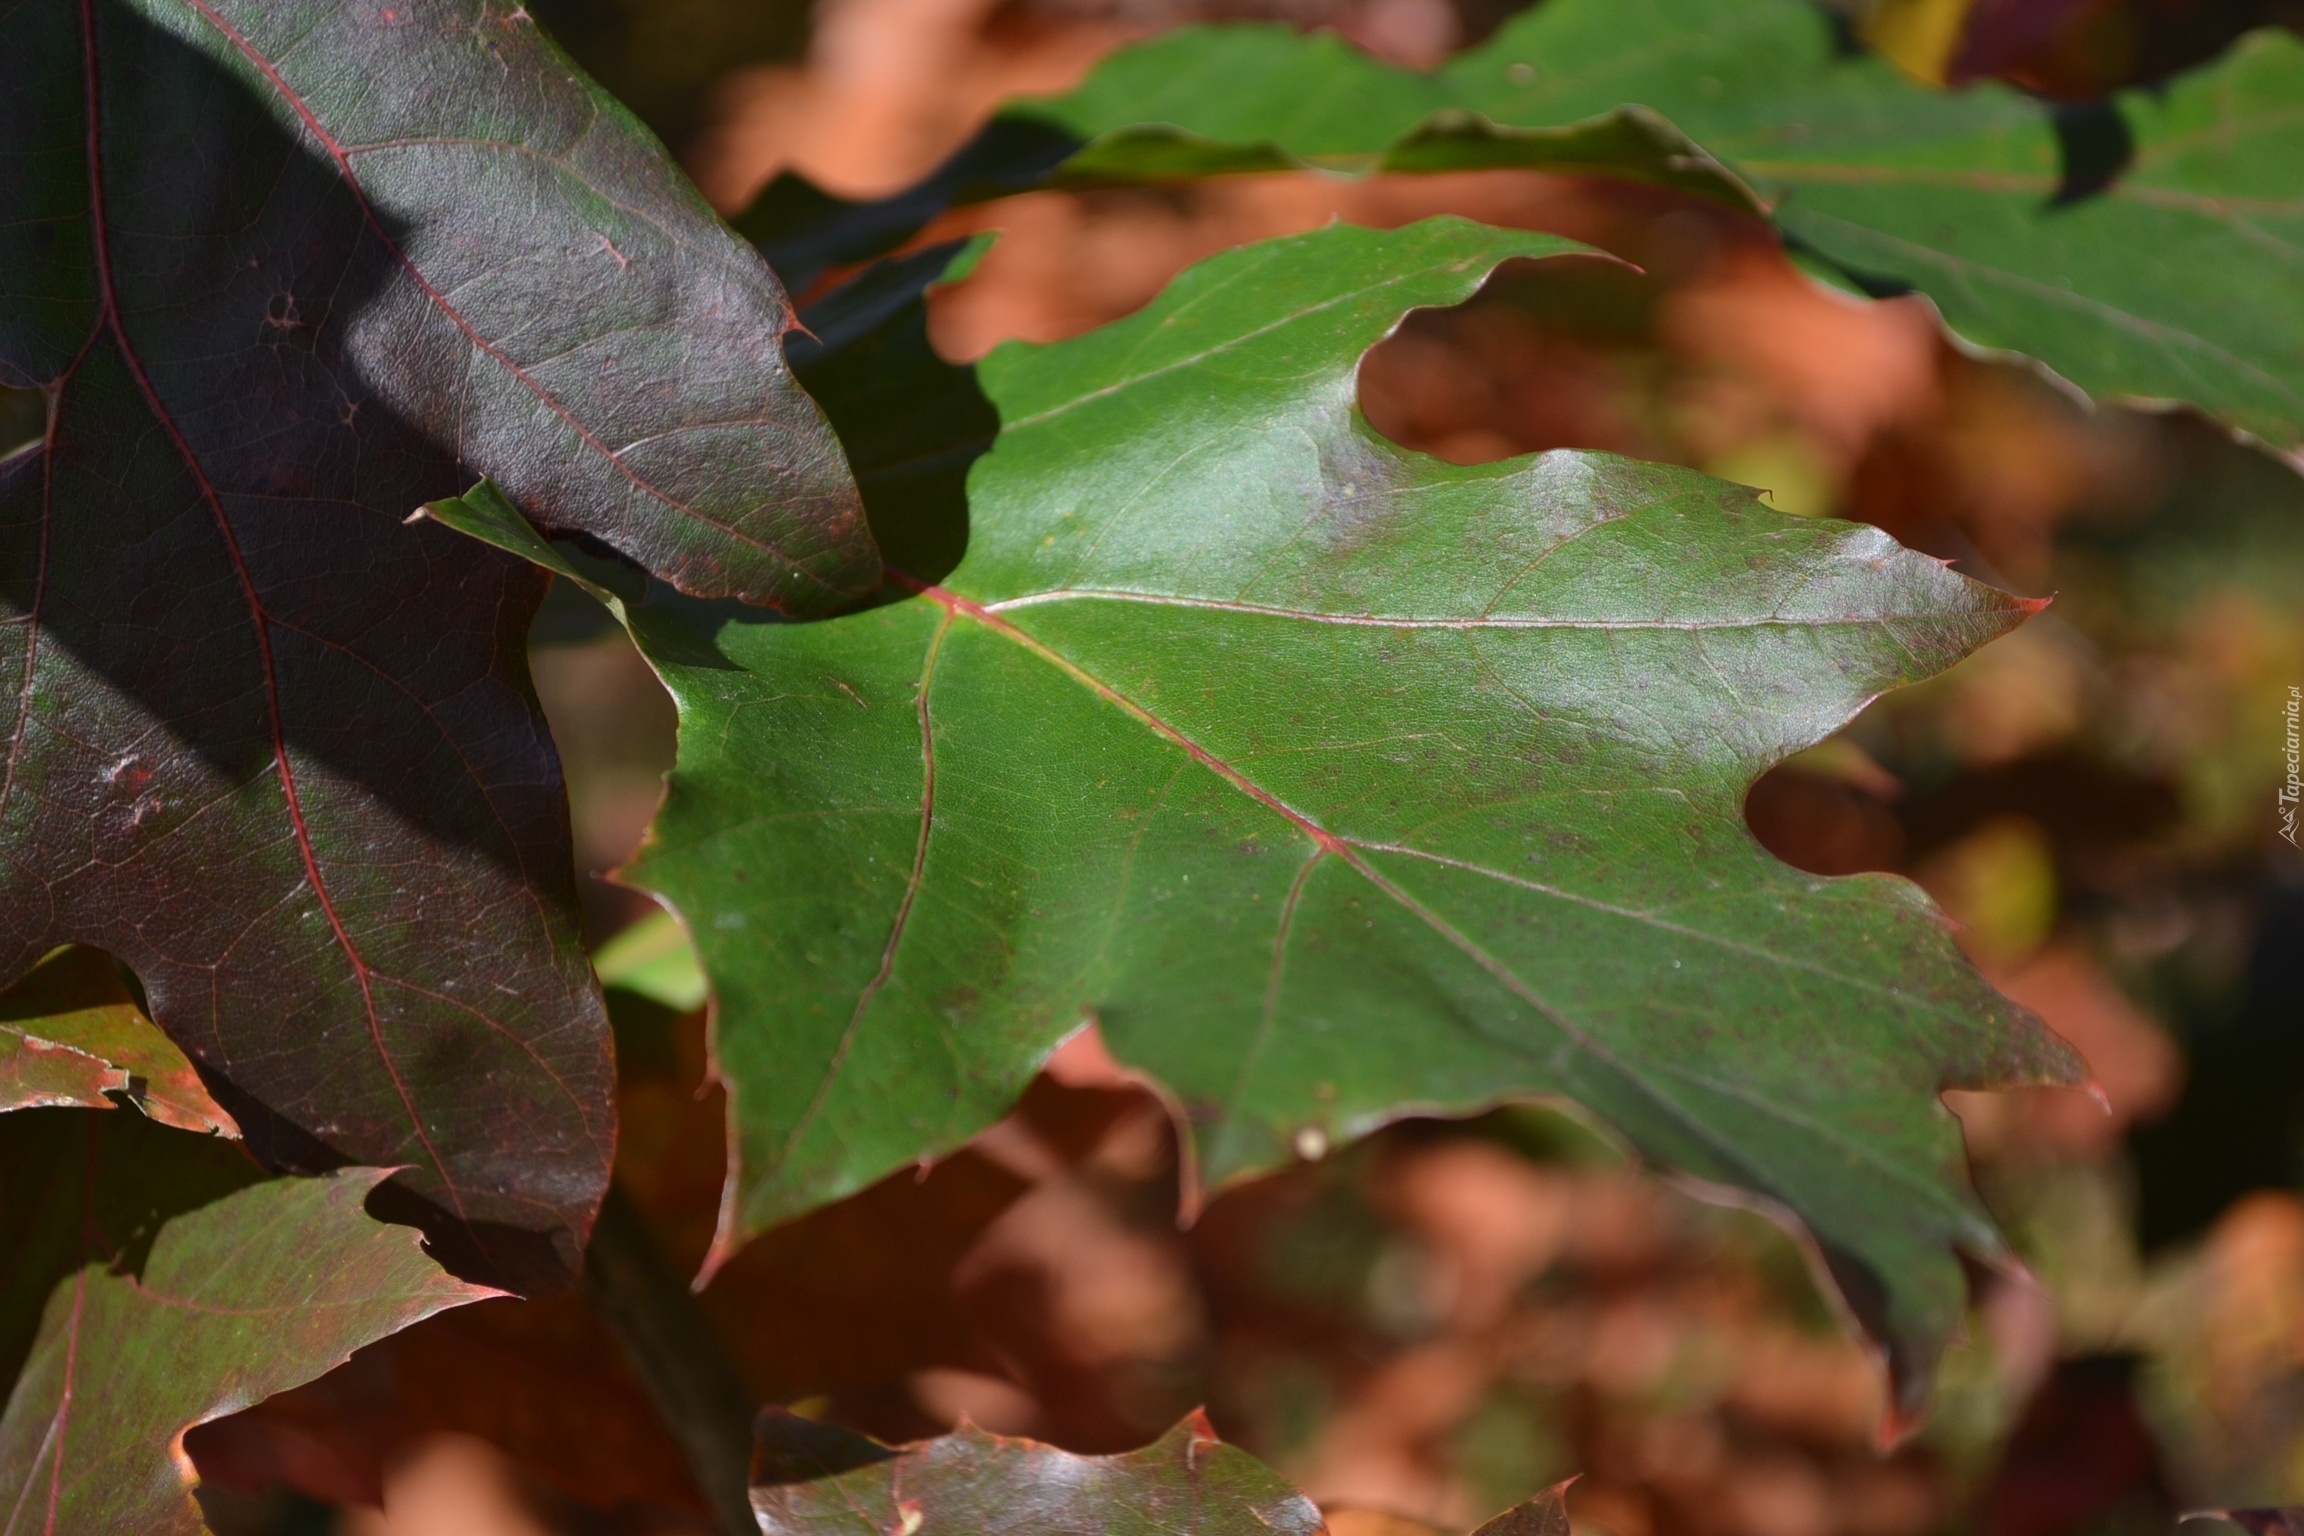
1210,101
817,1480
2181,281
157,1281
1628,143
70,1034
1335,783
1309,94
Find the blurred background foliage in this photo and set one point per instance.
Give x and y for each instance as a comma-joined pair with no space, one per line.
1447,1317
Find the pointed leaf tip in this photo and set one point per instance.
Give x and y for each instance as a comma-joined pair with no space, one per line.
1546,1514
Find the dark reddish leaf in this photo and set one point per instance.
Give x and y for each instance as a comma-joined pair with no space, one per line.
287,271
827,1482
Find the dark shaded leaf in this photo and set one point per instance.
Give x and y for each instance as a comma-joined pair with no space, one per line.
804,231
483,244
2177,280
2081,1453
788,1448
1188,1483
1336,783
158,1281
2093,147
286,272
912,423
70,1034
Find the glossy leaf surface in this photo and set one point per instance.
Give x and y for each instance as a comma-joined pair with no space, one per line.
70,1034
816,1480
158,1281
1336,783
2178,279
286,272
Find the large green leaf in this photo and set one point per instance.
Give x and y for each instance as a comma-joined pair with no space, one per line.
156,1281
284,272
1335,783
2184,280
818,1480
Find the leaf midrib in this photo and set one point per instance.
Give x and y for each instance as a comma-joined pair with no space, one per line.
1404,621
1326,842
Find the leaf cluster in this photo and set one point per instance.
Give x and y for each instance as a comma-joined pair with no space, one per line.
1128,696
